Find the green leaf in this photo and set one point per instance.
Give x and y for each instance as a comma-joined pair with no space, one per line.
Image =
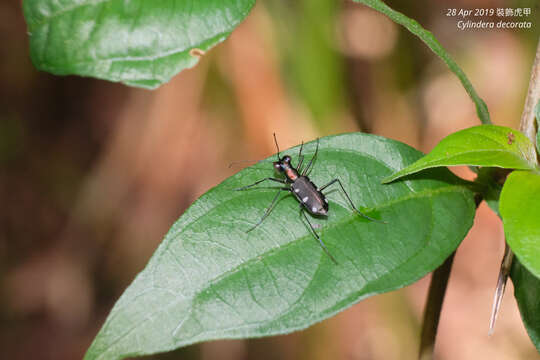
140,43
209,279
484,145
527,293
520,211
490,182
427,37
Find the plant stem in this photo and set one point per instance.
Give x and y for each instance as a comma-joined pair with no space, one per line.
432,312
526,125
504,272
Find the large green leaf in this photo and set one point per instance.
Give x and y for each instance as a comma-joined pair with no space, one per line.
527,293
138,42
210,279
520,210
484,145
427,37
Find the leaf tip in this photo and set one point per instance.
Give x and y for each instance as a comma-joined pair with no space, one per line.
392,178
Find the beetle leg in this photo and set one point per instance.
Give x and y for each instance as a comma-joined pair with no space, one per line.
305,172
350,201
300,158
300,161
314,233
269,209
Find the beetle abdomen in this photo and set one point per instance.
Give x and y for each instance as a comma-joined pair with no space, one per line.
309,196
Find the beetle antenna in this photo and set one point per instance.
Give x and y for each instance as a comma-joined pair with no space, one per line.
242,161
277,146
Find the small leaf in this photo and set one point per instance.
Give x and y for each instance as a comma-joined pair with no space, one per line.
527,293
520,211
427,37
209,279
138,42
484,145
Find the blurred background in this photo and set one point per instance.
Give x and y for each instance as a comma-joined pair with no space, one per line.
92,174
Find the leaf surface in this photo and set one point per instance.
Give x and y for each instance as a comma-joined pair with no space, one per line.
137,42
520,210
484,145
209,279
527,293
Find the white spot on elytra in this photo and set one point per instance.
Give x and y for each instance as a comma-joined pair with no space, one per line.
314,209
297,190
326,201
305,199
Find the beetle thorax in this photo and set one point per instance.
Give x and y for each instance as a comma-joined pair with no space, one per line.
291,173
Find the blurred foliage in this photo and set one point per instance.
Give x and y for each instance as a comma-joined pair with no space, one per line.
311,65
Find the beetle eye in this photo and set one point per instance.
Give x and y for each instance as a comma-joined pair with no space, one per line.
286,159
277,167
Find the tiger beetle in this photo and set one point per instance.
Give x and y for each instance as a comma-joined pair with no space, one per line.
310,197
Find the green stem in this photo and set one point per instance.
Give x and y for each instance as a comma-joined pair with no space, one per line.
427,37
526,125
432,312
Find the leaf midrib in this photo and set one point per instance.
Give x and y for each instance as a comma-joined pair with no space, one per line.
478,151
